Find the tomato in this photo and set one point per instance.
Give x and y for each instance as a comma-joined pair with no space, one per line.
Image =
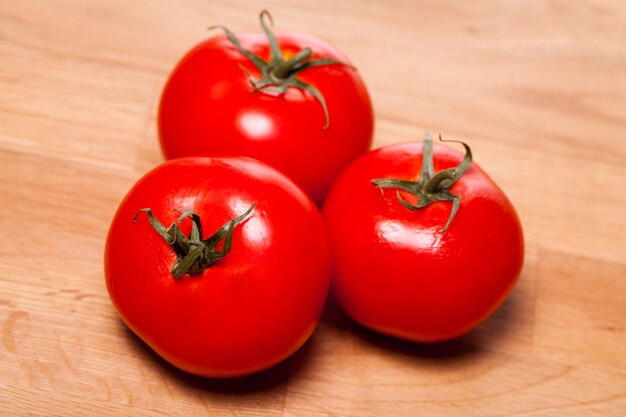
425,260
231,288
290,100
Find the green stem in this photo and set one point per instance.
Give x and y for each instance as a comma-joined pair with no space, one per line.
431,186
285,69
193,254
278,74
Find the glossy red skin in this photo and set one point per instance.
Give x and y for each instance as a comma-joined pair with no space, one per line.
246,312
396,273
207,109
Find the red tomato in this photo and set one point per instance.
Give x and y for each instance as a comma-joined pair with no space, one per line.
210,106
246,311
396,271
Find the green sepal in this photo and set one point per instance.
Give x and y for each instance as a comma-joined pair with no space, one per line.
430,187
278,74
193,254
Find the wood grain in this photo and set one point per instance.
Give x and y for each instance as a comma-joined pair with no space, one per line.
539,89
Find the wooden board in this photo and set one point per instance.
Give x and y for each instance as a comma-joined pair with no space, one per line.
537,86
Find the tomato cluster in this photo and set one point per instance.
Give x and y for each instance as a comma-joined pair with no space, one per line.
221,263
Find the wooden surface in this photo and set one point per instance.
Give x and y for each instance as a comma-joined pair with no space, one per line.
538,87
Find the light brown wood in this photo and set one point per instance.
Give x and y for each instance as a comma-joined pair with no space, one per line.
538,87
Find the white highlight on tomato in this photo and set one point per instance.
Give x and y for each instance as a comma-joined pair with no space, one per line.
406,235
256,125
254,227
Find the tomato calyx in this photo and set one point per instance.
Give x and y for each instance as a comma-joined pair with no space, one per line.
193,254
431,186
278,74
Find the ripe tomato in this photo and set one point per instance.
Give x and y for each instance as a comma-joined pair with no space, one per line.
398,270
232,304
286,100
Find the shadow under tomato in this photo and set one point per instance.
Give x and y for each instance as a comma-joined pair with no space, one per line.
271,379
500,329
496,330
